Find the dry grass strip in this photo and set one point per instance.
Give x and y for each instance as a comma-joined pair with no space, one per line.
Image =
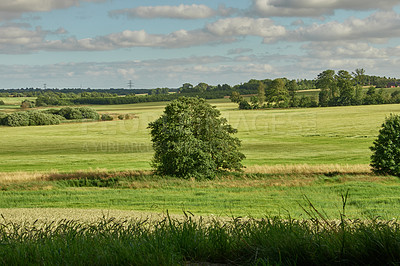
307,169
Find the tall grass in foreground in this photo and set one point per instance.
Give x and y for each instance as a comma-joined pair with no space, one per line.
267,241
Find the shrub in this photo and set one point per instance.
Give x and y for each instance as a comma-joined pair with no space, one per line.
89,113
2,102
41,119
29,118
191,140
2,118
27,104
244,105
17,119
121,117
106,117
386,148
70,113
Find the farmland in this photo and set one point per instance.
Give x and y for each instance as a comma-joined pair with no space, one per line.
81,181
312,138
337,135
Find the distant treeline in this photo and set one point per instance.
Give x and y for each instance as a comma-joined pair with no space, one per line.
335,89
56,97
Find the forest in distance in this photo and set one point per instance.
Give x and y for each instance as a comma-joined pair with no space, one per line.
330,85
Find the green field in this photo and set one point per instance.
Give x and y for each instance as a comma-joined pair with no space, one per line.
13,103
313,136
251,195
334,135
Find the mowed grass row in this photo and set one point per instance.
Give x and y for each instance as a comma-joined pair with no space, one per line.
335,135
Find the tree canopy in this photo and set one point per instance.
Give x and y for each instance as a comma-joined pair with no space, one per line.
385,158
191,140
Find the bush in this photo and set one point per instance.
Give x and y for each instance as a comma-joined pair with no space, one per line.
121,117
191,140
70,113
17,119
244,105
41,119
386,148
2,102
27,104
35,118
89,113
106,117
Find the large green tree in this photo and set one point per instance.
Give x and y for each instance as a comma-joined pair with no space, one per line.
190,139
346,88
385,158
327,84
277,91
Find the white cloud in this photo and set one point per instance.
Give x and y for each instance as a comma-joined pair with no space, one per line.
244,26
378,27
179,12
315,8
356,50
11,9
239,51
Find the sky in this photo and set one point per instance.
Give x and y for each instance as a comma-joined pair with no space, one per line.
158,43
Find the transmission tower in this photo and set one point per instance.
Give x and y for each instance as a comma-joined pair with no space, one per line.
130,84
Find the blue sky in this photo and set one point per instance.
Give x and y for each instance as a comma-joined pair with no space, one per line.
105,43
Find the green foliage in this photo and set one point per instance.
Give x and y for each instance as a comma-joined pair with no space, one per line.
277,91
47,117
191,140
27,104
75,113
244,105
106,117
30,118
261,93
17,119
70,113
236,97
89,113
386,148
2,102
37,118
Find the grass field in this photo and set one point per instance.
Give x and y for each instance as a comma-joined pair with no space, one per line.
335,135
254,195
317,152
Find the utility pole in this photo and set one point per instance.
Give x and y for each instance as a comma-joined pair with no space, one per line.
130,84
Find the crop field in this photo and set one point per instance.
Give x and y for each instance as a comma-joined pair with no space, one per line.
336,135
317,152
89,185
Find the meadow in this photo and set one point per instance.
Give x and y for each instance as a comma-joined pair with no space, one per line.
317,152
306,196
335,135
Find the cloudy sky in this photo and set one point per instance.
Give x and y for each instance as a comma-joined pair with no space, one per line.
158,43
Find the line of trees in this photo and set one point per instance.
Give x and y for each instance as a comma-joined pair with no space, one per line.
335,89
341,88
